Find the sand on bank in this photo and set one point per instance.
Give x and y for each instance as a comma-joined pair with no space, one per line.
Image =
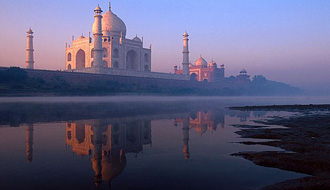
305,141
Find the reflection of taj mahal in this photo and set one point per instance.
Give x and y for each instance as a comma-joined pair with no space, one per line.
108,144
117,51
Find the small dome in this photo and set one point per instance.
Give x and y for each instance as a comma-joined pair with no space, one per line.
243,71
29,31
212,64
98,8
200,61
81,37
137,39
112,23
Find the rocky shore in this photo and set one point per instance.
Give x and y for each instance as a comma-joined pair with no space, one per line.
305,141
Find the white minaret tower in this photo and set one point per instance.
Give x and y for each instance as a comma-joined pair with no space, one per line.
97,35
185,52
29,50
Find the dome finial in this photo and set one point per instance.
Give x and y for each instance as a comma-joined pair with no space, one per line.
109,6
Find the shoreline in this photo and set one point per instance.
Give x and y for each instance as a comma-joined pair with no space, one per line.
305,141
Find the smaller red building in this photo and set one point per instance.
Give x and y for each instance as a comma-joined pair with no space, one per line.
203,71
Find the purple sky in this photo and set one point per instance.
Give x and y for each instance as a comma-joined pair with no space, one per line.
286,41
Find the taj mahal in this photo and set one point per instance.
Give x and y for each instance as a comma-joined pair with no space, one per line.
109,52
110,40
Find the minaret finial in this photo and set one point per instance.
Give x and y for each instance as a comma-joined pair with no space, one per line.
109,6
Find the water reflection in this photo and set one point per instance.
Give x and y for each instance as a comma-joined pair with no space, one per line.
107,143
29,143
191,141
201,122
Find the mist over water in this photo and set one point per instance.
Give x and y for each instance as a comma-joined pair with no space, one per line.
225,100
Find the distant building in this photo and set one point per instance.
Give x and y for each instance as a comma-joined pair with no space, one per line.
200,70
243,77
203,71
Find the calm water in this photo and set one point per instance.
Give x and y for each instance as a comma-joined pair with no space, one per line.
131,143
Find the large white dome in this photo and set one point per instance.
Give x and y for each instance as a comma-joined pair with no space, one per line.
112,23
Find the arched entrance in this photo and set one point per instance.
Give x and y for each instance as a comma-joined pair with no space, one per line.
131,60
146,58
115,53
105,52
193,77
116,65
105,64
69,56
80,59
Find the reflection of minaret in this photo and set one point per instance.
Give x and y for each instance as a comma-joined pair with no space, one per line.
29,143
185,130
97,155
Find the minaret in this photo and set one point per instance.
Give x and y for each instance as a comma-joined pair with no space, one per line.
185,130
29,50
29,143
97,35
185,52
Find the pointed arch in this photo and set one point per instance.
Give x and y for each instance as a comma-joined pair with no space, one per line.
193,77
131,60
80,59
105,63
105,52
146,58
115,65
69,56
115,53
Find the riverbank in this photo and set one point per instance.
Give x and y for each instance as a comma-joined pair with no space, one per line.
305,141
15,81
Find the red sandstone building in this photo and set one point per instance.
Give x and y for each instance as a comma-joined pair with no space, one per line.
203,71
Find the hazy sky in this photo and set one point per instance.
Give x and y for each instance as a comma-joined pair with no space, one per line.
284,40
